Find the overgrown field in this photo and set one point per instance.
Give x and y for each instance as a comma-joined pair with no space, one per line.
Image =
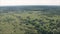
29,23
29,19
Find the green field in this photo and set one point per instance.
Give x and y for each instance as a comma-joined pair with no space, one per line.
29,22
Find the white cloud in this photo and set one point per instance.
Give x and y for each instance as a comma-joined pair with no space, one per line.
29,2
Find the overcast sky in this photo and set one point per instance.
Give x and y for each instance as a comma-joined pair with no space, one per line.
29,2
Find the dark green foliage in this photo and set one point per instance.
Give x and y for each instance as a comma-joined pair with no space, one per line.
41,20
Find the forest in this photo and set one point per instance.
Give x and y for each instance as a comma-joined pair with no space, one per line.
29,19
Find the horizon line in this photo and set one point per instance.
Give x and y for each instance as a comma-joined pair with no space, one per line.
29,5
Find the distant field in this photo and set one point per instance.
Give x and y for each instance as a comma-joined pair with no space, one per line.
30,20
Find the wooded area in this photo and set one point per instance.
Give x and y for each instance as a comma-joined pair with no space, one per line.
31,20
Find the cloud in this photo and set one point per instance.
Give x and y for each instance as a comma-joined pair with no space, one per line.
29,2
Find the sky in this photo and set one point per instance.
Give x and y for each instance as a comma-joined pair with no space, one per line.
29,2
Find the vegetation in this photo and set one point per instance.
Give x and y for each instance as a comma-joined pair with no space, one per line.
29,21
